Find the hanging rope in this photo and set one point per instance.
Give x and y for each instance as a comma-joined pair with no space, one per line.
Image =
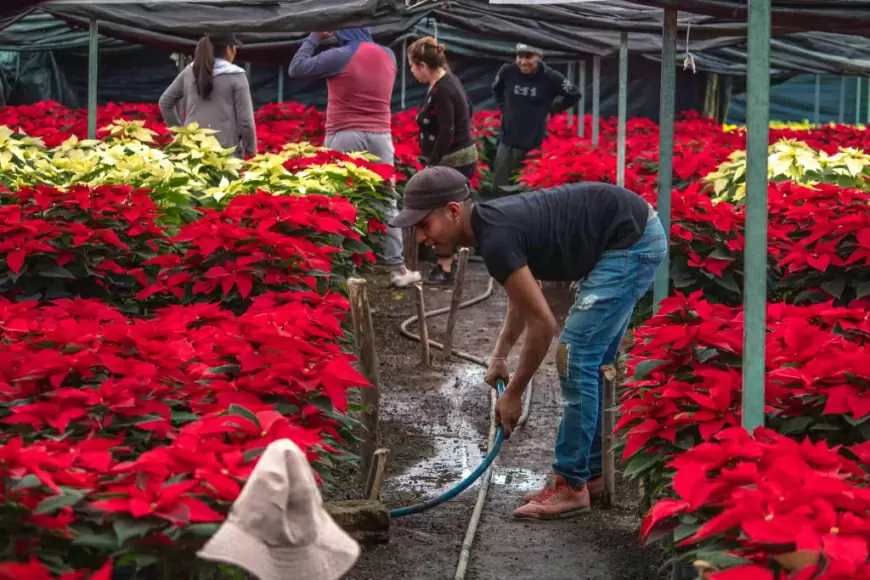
689,61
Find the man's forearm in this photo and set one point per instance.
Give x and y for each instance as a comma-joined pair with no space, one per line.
514,324
539,336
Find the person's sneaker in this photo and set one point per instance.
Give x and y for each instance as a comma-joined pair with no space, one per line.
404,277
558,500
595,487
438,277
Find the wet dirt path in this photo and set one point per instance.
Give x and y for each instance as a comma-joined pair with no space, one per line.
435,423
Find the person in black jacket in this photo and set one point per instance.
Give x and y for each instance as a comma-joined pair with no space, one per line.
527,92
445,126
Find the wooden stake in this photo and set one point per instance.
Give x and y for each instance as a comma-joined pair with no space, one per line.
424,328
376,474
455,301
370,398
608,421
409,242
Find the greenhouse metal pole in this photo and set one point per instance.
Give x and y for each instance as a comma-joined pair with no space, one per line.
868,101
404,69
93,64
857,100
842,100
581,84
596,96
622,109
755,260
817,100
570,79
280,84
667,107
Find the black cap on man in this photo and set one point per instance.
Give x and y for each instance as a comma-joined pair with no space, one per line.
429,190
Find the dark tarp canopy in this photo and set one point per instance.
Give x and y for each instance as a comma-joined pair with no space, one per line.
274,27
11,9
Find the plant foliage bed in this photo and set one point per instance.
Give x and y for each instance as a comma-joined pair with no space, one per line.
152,286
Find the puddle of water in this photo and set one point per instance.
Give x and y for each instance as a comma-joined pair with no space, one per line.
457,444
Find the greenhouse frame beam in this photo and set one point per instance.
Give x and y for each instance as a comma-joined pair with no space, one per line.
93,76
622,109
596,97
755,255
581,112
667,108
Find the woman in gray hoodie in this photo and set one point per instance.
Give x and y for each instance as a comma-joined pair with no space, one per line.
216,95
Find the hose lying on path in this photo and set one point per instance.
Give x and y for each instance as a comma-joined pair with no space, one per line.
496,437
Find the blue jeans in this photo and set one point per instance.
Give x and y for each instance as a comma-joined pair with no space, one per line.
593,331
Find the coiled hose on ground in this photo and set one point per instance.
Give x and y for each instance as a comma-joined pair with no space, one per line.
496,437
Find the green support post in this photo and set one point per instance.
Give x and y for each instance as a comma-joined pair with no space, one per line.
817,100
868,101
581,84
280,84
570,78
857,100
667,107
93,70
404,69
622,109
755,261
596,96
842,100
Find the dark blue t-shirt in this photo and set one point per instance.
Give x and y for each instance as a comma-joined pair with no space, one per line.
559,233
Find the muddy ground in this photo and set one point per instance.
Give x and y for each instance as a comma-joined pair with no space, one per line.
435,423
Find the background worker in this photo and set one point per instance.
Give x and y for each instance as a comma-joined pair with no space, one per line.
607,238
445,127
360,78
527,92
215,95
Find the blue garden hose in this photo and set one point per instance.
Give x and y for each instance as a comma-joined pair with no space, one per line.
465,483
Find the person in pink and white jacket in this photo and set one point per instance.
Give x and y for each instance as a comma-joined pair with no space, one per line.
360,76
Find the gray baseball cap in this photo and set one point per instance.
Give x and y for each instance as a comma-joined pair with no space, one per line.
430,189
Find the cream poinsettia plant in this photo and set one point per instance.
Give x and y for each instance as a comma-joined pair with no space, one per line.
192,170
792,160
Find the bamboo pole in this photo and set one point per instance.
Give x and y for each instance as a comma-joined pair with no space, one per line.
608,422
412,253
455,301
364,339
425,356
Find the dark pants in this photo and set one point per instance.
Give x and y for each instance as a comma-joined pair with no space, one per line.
467,170
508,160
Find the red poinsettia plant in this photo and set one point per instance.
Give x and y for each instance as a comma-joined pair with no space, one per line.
767,507
131,438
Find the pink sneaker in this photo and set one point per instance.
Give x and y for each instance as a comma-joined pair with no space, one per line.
557,500
595,487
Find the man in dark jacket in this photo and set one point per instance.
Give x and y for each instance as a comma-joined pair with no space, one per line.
527,92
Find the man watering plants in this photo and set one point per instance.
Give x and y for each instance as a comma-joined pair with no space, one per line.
609,240
527,92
